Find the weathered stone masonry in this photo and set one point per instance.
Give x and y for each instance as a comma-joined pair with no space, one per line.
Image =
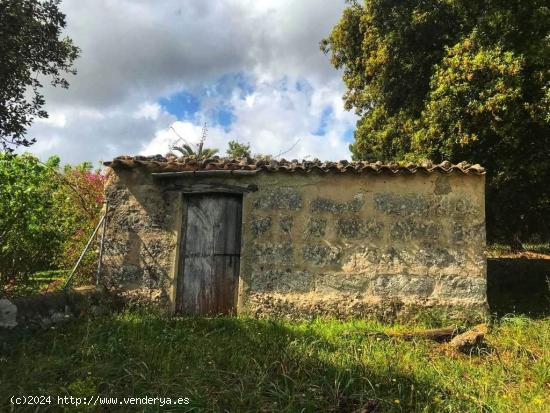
315,241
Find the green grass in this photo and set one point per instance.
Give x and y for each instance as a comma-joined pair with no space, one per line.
249,365
497,250
38,282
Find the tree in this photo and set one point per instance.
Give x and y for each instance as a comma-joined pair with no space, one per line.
31,50
238,150
457,80
79,199
47,215
29,232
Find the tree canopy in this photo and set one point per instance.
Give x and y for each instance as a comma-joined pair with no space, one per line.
31,50
46,216
236,149
456,80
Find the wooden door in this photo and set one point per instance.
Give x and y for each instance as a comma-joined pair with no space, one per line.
210,255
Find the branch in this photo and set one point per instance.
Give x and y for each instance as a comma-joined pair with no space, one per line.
289,149
68,183
179,136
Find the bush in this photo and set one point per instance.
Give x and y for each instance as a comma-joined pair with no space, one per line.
46,217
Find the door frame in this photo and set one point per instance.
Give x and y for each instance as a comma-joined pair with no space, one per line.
181,226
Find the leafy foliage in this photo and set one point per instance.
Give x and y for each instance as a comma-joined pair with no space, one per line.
79,199
30,49
29,232
238,150
457,80
187,150
46,216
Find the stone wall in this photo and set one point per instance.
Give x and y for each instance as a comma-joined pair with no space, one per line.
322,244
46,310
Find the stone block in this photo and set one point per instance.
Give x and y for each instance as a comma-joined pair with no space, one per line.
356,227
316,227
8,313
337,207
463,287
282,281
414,229
285,223
278,198
260,224
404,285
322,254
273,253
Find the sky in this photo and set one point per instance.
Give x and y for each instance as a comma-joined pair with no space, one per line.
151,71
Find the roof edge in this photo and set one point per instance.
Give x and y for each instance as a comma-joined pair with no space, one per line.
160,164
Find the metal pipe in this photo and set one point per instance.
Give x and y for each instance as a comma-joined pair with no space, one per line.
101,243
83,252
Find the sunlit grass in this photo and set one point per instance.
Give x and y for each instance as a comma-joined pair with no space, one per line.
502,250
241,364
38,282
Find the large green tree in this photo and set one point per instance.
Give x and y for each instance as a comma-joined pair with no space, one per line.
458,80
31,51
30,233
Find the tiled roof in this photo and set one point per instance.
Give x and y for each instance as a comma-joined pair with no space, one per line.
159,164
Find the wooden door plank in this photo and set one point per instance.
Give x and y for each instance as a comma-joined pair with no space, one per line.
211,254
227,238
226,276
201,215
199,296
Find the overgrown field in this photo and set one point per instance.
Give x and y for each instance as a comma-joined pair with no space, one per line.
240,365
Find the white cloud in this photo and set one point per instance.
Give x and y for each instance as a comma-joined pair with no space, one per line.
136,51
58,120
273,120
148,110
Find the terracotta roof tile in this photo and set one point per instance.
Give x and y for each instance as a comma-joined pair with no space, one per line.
160,164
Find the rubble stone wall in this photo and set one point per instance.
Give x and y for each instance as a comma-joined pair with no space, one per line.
318,244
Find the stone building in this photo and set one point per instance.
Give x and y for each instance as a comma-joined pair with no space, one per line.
297,239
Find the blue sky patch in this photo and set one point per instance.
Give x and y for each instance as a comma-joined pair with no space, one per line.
222,116
183,105
325,119
304,86
212,99
226,85
348,136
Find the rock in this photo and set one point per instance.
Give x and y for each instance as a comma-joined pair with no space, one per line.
469,339
8,314
58,318
45,323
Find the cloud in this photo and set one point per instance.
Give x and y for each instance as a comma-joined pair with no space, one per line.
277,117
254,68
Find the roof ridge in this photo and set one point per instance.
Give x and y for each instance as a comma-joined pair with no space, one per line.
159,163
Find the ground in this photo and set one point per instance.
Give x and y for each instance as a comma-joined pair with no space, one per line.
250,365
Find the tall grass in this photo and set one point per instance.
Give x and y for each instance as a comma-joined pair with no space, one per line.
250,365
